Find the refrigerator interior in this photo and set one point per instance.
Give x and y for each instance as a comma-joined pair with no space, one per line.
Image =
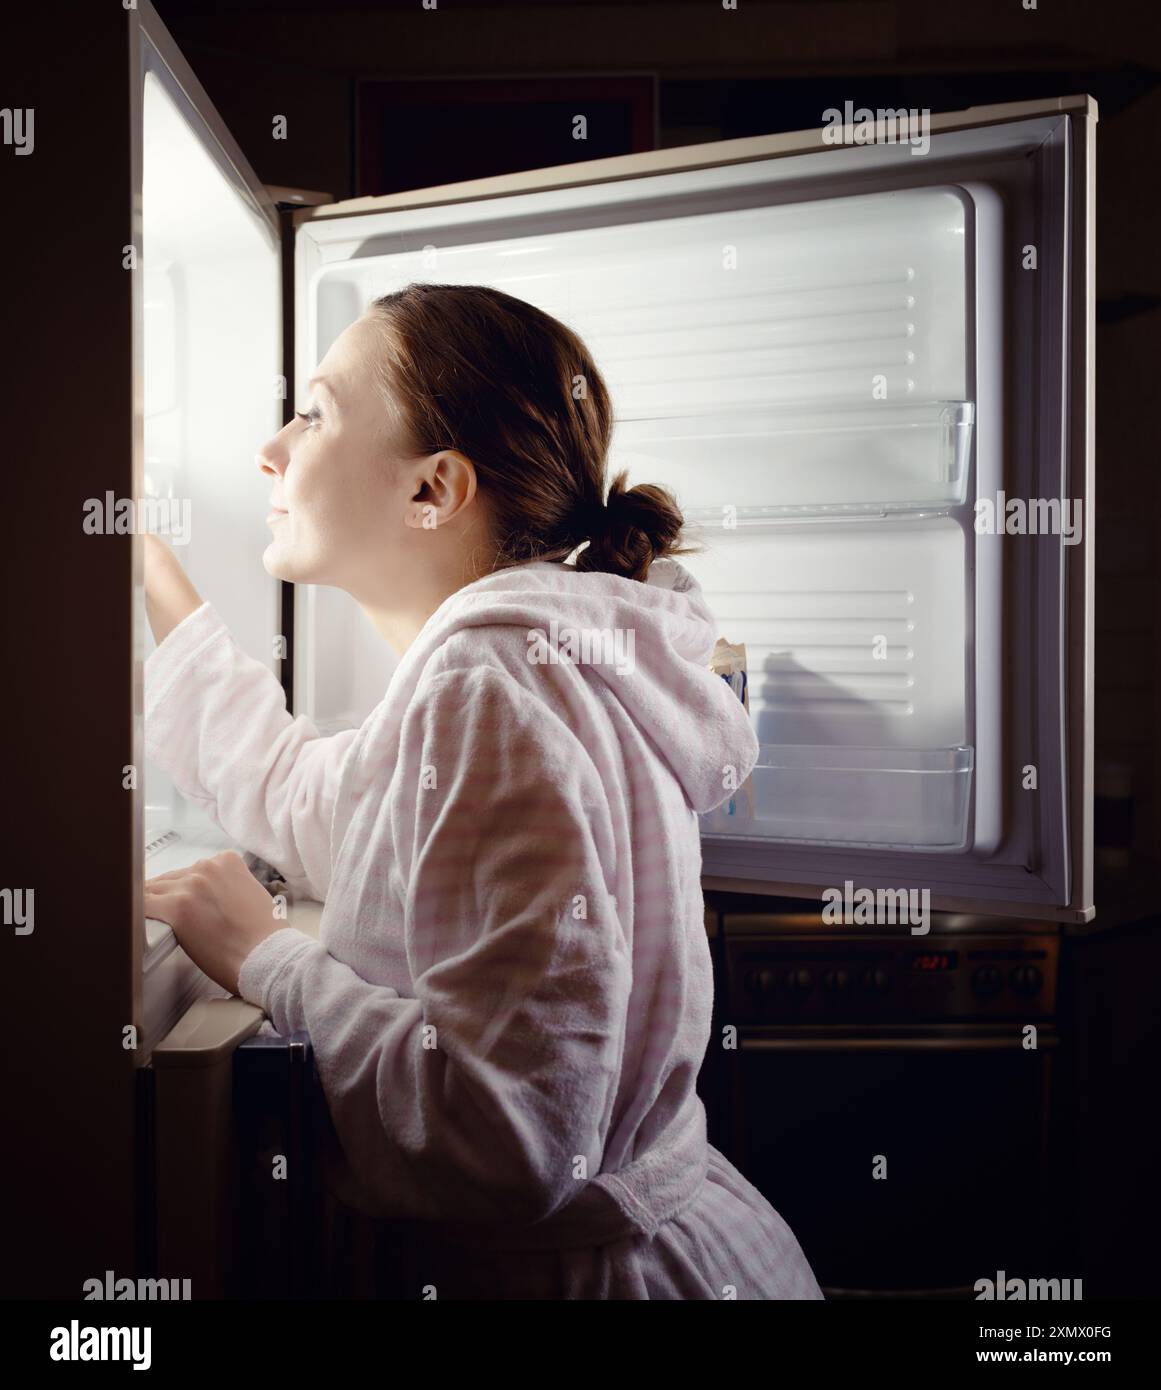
800,374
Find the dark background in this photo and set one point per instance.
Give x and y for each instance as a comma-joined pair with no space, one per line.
385,96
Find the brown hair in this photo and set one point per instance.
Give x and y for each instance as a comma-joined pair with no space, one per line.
515,390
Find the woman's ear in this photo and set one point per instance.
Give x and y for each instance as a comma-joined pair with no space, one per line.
443,486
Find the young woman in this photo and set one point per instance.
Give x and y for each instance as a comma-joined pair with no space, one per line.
510,998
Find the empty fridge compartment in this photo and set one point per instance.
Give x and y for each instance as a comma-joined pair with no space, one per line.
886,798
816,460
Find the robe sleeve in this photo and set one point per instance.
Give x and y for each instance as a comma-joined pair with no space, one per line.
216,721
477,1098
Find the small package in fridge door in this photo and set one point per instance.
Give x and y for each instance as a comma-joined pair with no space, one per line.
729,662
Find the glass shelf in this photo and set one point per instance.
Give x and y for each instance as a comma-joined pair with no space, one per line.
802,462
882,798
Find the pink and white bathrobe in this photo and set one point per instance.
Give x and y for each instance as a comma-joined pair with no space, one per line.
509,1001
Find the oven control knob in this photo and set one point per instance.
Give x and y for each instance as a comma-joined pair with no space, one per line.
761,982
798,982
876,980
1026,980
988,980
836,980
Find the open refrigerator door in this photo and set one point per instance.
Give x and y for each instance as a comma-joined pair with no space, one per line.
210,325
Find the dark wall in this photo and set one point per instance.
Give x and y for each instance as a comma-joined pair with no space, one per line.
67,1155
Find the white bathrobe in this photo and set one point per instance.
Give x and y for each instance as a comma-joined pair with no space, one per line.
509,1001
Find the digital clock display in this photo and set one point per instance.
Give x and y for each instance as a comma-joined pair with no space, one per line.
932,962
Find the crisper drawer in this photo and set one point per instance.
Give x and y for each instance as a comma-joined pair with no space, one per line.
906,798
858,678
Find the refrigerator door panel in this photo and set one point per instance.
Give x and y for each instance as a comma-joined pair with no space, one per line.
839,358
210,358
207,326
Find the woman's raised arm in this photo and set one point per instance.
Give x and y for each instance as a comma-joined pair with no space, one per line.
169,592
216,721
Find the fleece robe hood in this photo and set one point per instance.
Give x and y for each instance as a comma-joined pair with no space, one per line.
646,646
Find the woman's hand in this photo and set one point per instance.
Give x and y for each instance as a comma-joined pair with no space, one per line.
169,593
218,910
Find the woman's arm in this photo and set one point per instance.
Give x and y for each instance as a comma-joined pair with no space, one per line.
169,593
475,1099
216,722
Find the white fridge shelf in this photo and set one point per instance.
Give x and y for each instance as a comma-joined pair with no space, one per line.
820,461
881,798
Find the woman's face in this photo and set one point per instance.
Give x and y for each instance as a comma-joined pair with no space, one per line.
350,507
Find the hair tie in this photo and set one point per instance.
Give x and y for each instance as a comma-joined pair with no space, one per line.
592,519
